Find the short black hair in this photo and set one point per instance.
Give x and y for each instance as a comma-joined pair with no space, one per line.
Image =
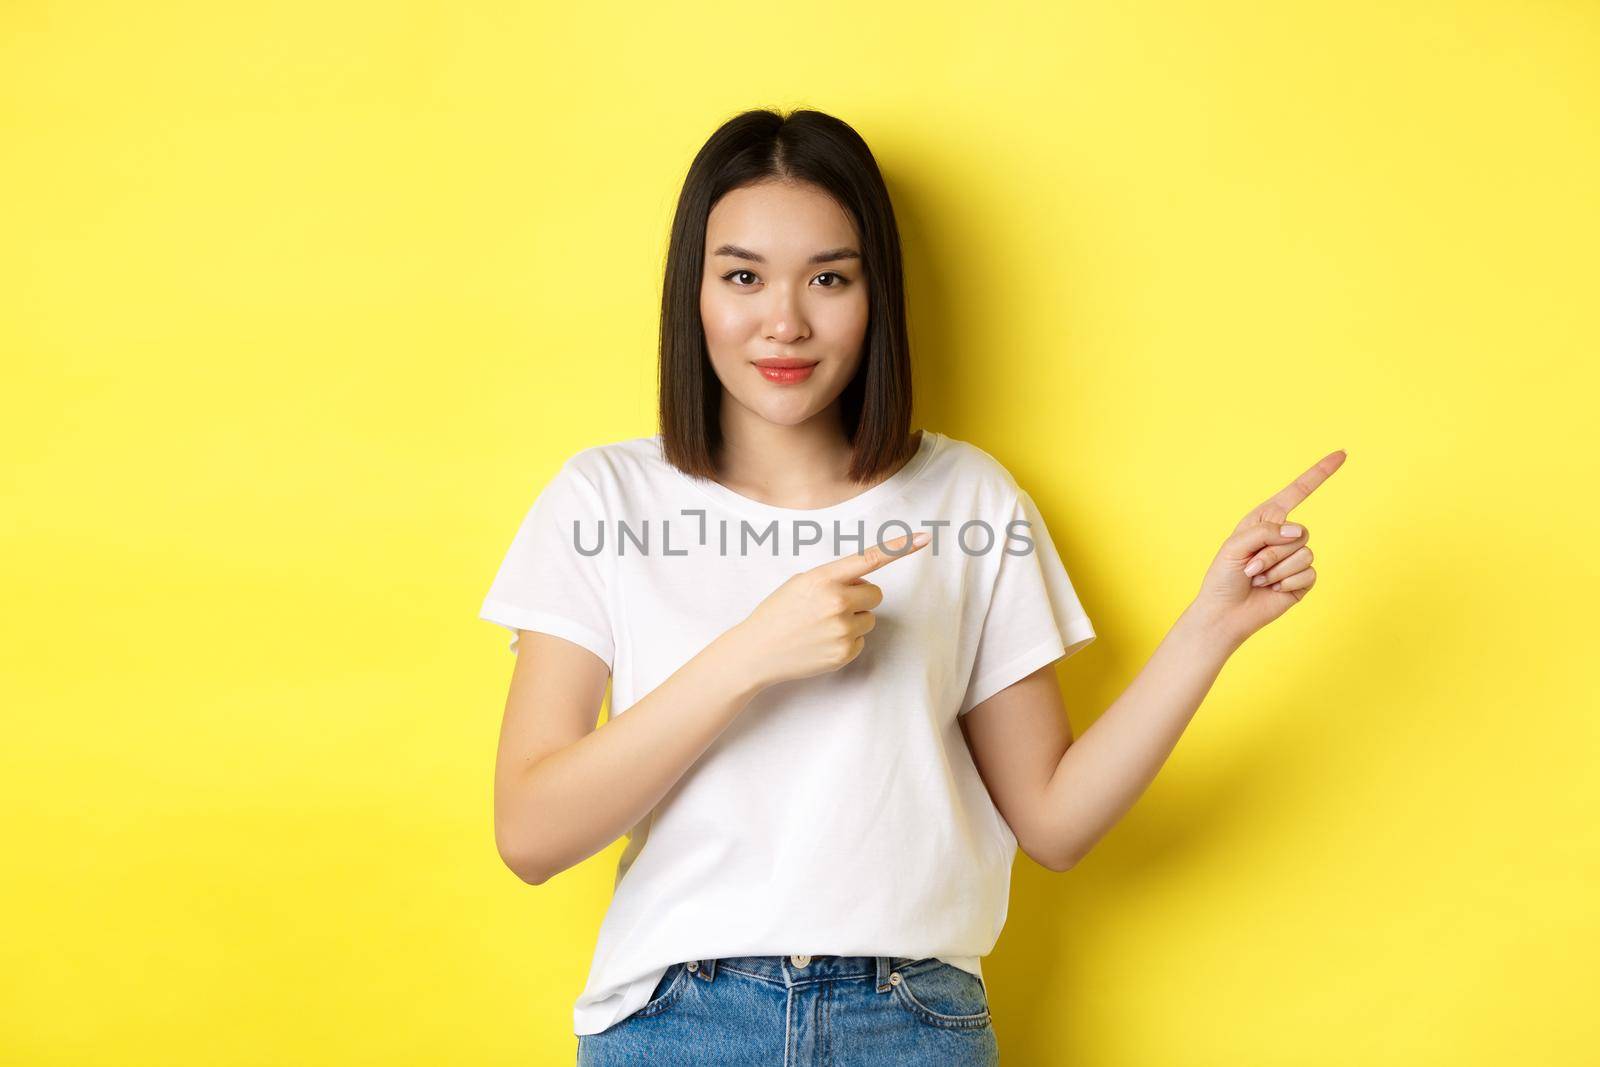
803,146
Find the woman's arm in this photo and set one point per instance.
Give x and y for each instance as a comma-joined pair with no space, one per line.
1061,796
564,790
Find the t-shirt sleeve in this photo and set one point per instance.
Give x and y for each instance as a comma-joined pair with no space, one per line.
1034,616
545,582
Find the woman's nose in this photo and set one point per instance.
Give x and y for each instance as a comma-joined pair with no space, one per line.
785,323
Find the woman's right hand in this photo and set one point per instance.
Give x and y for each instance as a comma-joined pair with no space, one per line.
817,621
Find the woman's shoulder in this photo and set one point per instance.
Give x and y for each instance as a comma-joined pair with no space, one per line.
970,462
621,462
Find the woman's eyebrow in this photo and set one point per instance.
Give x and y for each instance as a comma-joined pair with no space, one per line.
829,256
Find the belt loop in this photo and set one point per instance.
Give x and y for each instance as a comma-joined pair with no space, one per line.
884,967
706,969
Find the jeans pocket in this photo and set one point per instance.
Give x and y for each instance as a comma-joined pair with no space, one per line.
666,991
944,995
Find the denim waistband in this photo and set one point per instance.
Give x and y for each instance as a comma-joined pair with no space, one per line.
784,971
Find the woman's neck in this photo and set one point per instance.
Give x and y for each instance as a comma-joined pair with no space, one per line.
805,466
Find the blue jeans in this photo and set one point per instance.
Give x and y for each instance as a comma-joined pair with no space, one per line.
824,1011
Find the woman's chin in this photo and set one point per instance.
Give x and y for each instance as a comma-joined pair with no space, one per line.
786,414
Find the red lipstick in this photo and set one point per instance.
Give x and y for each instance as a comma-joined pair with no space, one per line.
785,370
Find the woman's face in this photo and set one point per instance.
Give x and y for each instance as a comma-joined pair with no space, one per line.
783,282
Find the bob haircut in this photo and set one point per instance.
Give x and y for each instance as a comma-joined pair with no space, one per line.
803,146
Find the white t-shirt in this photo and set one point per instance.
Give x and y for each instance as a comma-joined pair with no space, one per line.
840,814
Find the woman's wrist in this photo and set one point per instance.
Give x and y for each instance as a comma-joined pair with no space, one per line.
1201,628
738,662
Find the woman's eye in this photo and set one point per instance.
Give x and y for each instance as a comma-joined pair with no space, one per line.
840,281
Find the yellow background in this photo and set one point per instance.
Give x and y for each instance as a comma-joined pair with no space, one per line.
304,302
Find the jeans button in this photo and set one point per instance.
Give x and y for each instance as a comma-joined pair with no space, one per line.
799,961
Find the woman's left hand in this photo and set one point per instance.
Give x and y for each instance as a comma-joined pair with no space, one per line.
1264,568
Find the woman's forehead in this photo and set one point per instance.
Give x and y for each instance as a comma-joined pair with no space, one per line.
779,220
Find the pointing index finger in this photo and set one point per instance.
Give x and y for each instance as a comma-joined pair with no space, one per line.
1291,495
860,563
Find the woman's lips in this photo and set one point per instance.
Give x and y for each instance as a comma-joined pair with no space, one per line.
786,375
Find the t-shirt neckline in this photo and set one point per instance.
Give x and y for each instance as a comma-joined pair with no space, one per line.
930,443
